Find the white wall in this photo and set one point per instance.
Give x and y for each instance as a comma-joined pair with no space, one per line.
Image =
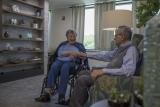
59,27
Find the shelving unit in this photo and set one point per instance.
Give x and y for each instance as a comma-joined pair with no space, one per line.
22,35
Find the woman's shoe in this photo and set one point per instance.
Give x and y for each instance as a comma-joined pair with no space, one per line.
43,98
61,100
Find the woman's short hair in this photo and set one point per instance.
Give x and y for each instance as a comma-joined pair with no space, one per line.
71,31
126,31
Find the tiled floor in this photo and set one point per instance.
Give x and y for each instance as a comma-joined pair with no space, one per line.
21,93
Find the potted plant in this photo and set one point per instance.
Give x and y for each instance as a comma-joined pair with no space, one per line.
119,98
146,10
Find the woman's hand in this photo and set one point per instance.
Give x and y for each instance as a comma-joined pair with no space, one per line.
74,54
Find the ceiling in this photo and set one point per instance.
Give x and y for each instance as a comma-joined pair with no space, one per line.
68,3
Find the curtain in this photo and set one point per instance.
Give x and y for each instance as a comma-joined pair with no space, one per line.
102,38
78,15
51,5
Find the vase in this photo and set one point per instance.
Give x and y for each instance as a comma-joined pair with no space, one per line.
6,35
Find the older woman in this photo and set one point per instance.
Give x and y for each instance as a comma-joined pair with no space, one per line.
67,53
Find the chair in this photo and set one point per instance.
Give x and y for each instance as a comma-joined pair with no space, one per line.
99,91
72,78
138,80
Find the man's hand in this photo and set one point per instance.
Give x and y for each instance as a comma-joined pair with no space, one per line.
81,54
78,54
96,73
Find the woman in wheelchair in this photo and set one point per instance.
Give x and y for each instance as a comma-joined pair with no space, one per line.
66,54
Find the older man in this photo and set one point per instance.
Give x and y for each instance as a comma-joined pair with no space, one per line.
122,61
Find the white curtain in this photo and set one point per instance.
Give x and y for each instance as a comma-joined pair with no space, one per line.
51,5
102,38
78,15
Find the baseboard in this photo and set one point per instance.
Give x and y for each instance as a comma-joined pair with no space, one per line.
16,75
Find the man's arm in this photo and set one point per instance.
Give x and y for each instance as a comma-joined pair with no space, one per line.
129,64
107,56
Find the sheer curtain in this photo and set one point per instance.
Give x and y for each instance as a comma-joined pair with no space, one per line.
78,15
102,38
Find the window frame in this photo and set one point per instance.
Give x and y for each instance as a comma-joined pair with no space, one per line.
120,2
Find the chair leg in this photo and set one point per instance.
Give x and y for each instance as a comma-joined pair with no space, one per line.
71,87
43,85
55,88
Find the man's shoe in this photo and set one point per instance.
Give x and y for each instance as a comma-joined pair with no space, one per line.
43,98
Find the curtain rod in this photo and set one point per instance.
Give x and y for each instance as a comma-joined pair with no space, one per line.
91,4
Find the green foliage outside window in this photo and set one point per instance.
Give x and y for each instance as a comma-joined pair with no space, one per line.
89,41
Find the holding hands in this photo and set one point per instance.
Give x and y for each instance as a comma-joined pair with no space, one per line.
74,54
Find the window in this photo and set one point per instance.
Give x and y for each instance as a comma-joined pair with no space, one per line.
89,28
124,5
89,25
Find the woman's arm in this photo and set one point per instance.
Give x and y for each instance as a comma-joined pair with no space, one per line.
73,54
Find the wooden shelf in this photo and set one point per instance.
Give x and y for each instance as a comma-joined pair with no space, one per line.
17,39
22,14
8,51
23,27
27,41
26,3
23,63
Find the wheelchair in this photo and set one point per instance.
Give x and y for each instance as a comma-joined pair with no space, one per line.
72,78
